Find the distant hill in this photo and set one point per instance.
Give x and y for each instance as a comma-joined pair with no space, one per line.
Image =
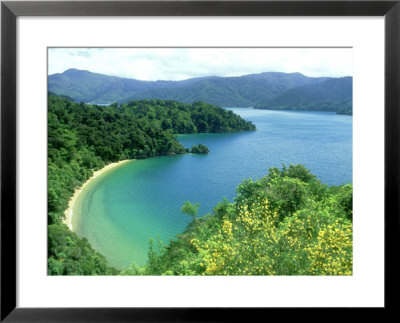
242,91
88,87
330,95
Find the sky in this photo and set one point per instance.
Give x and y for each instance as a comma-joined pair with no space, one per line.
152,64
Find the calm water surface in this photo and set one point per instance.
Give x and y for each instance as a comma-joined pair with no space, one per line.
122,209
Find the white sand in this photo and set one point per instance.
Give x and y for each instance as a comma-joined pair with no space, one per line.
69,211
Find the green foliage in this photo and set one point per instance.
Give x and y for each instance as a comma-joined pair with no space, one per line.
286,223
200,149
70,255
133,270
344,195
190,208
181,118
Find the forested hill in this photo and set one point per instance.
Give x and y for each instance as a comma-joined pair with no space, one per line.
331,95
241,91
83,138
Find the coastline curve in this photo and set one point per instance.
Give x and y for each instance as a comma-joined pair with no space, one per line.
69,212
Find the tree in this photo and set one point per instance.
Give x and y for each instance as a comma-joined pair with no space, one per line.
190,208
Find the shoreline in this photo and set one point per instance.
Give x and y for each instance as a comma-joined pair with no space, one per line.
69,211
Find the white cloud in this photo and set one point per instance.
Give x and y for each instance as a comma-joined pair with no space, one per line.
183,63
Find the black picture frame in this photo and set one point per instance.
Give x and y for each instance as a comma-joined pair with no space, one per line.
10,10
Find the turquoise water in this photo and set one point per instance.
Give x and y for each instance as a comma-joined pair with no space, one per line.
122,209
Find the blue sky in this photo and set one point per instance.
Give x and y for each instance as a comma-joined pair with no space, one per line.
182,63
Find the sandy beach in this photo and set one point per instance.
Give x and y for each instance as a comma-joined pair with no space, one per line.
69,211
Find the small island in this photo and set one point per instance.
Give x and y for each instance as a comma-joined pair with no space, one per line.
200,149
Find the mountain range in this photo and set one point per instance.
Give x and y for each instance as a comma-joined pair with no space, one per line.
269,90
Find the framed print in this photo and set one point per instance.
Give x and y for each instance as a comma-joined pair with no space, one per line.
229,134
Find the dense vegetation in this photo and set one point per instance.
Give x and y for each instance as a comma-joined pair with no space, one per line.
286,223
70,255
330,95
179,118
200,149
83,138
241,91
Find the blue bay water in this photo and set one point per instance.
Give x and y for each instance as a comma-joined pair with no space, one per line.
121,210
